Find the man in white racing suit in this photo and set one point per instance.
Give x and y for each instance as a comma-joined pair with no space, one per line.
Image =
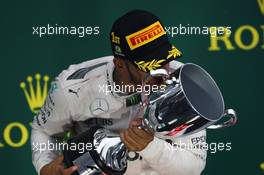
83,96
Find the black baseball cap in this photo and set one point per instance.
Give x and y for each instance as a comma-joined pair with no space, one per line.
140,37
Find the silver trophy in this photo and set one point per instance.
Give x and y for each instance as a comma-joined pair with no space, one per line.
188,102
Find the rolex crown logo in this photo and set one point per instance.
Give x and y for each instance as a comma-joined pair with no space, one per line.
35,96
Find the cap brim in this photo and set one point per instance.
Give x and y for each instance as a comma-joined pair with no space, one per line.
158,58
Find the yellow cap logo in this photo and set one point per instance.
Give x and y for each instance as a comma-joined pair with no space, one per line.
149,65
145,35
174,52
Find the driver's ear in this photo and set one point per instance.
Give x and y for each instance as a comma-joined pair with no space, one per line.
119,63
167,67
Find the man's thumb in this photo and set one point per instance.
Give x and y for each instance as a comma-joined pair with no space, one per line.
136,122
59,159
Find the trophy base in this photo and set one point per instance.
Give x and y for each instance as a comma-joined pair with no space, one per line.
88,161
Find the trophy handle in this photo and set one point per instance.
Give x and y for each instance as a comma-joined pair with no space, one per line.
230,122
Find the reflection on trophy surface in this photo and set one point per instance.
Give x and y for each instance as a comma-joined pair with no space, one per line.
188,102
